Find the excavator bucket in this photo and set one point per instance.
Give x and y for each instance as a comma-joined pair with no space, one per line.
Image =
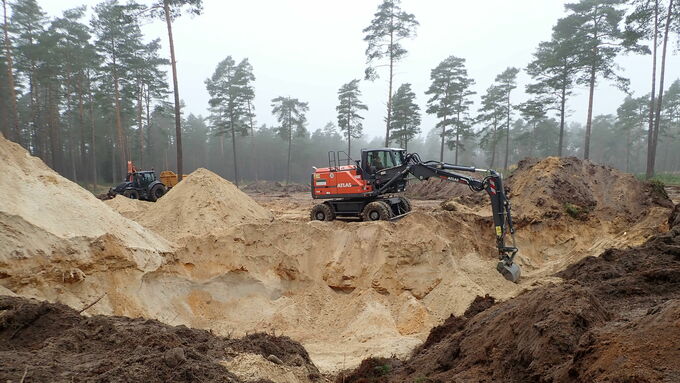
510,271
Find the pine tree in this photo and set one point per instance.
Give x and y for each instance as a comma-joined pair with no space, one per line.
390,26
13,131
554,71
290,112
349,119
533,112
630,123
507,82
169,10
491,115
405,116
229,98
595,26
450,101
117,39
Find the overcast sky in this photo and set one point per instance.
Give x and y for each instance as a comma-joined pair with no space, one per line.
308,48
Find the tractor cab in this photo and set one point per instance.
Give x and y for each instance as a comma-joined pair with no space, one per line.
143,179
382,165
376,160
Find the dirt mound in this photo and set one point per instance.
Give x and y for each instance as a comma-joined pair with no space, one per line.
52,342
554,187
274,187
436,188
128,207
202,203
600,325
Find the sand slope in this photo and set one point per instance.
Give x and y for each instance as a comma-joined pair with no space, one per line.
201,204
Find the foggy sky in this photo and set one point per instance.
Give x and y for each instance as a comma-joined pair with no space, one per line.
308,48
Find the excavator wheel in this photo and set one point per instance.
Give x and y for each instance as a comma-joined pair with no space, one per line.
157,192
376,211
322,212
131,193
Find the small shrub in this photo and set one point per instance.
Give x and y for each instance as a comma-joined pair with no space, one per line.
658,188
576,211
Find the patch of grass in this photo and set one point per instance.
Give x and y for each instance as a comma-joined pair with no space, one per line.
576,211
658,188
666,178
383,370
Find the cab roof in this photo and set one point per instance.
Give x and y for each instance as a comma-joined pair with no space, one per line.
384,150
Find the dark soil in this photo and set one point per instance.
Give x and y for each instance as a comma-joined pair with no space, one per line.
616,318
53,343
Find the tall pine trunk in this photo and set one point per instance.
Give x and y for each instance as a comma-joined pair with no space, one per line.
120,134
13,133
349,132
92,139
290,145
507,135
140,90
657,118
252,141
178,117
589,122
233,148
389,95
563,110
441,148
649,173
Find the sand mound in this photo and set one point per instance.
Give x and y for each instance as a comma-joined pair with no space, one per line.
128,207
600,325
53,231
202,203
51,342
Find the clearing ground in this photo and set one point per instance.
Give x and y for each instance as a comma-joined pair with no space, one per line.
209,256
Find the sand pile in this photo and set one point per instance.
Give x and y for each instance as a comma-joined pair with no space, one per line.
614,319
202,203
53,231
128,207
52,342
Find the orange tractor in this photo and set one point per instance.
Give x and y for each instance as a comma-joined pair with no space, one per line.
369,189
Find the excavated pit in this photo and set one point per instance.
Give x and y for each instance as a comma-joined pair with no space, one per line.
209,256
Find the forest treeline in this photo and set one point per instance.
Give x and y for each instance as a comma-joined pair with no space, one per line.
87,91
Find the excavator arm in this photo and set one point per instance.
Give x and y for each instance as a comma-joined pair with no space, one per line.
492,183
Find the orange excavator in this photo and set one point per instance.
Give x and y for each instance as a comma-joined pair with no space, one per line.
369,189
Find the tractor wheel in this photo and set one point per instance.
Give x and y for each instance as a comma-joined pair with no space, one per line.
322,212
131,193
405,204
376,211
157,192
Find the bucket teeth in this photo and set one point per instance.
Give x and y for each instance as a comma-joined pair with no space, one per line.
511,271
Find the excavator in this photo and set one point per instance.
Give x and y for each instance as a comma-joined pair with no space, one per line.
369,189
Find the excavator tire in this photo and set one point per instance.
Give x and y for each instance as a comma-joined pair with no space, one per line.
322,212
376,211
157,192
132,194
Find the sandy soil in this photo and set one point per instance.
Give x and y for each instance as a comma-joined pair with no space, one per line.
211,257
